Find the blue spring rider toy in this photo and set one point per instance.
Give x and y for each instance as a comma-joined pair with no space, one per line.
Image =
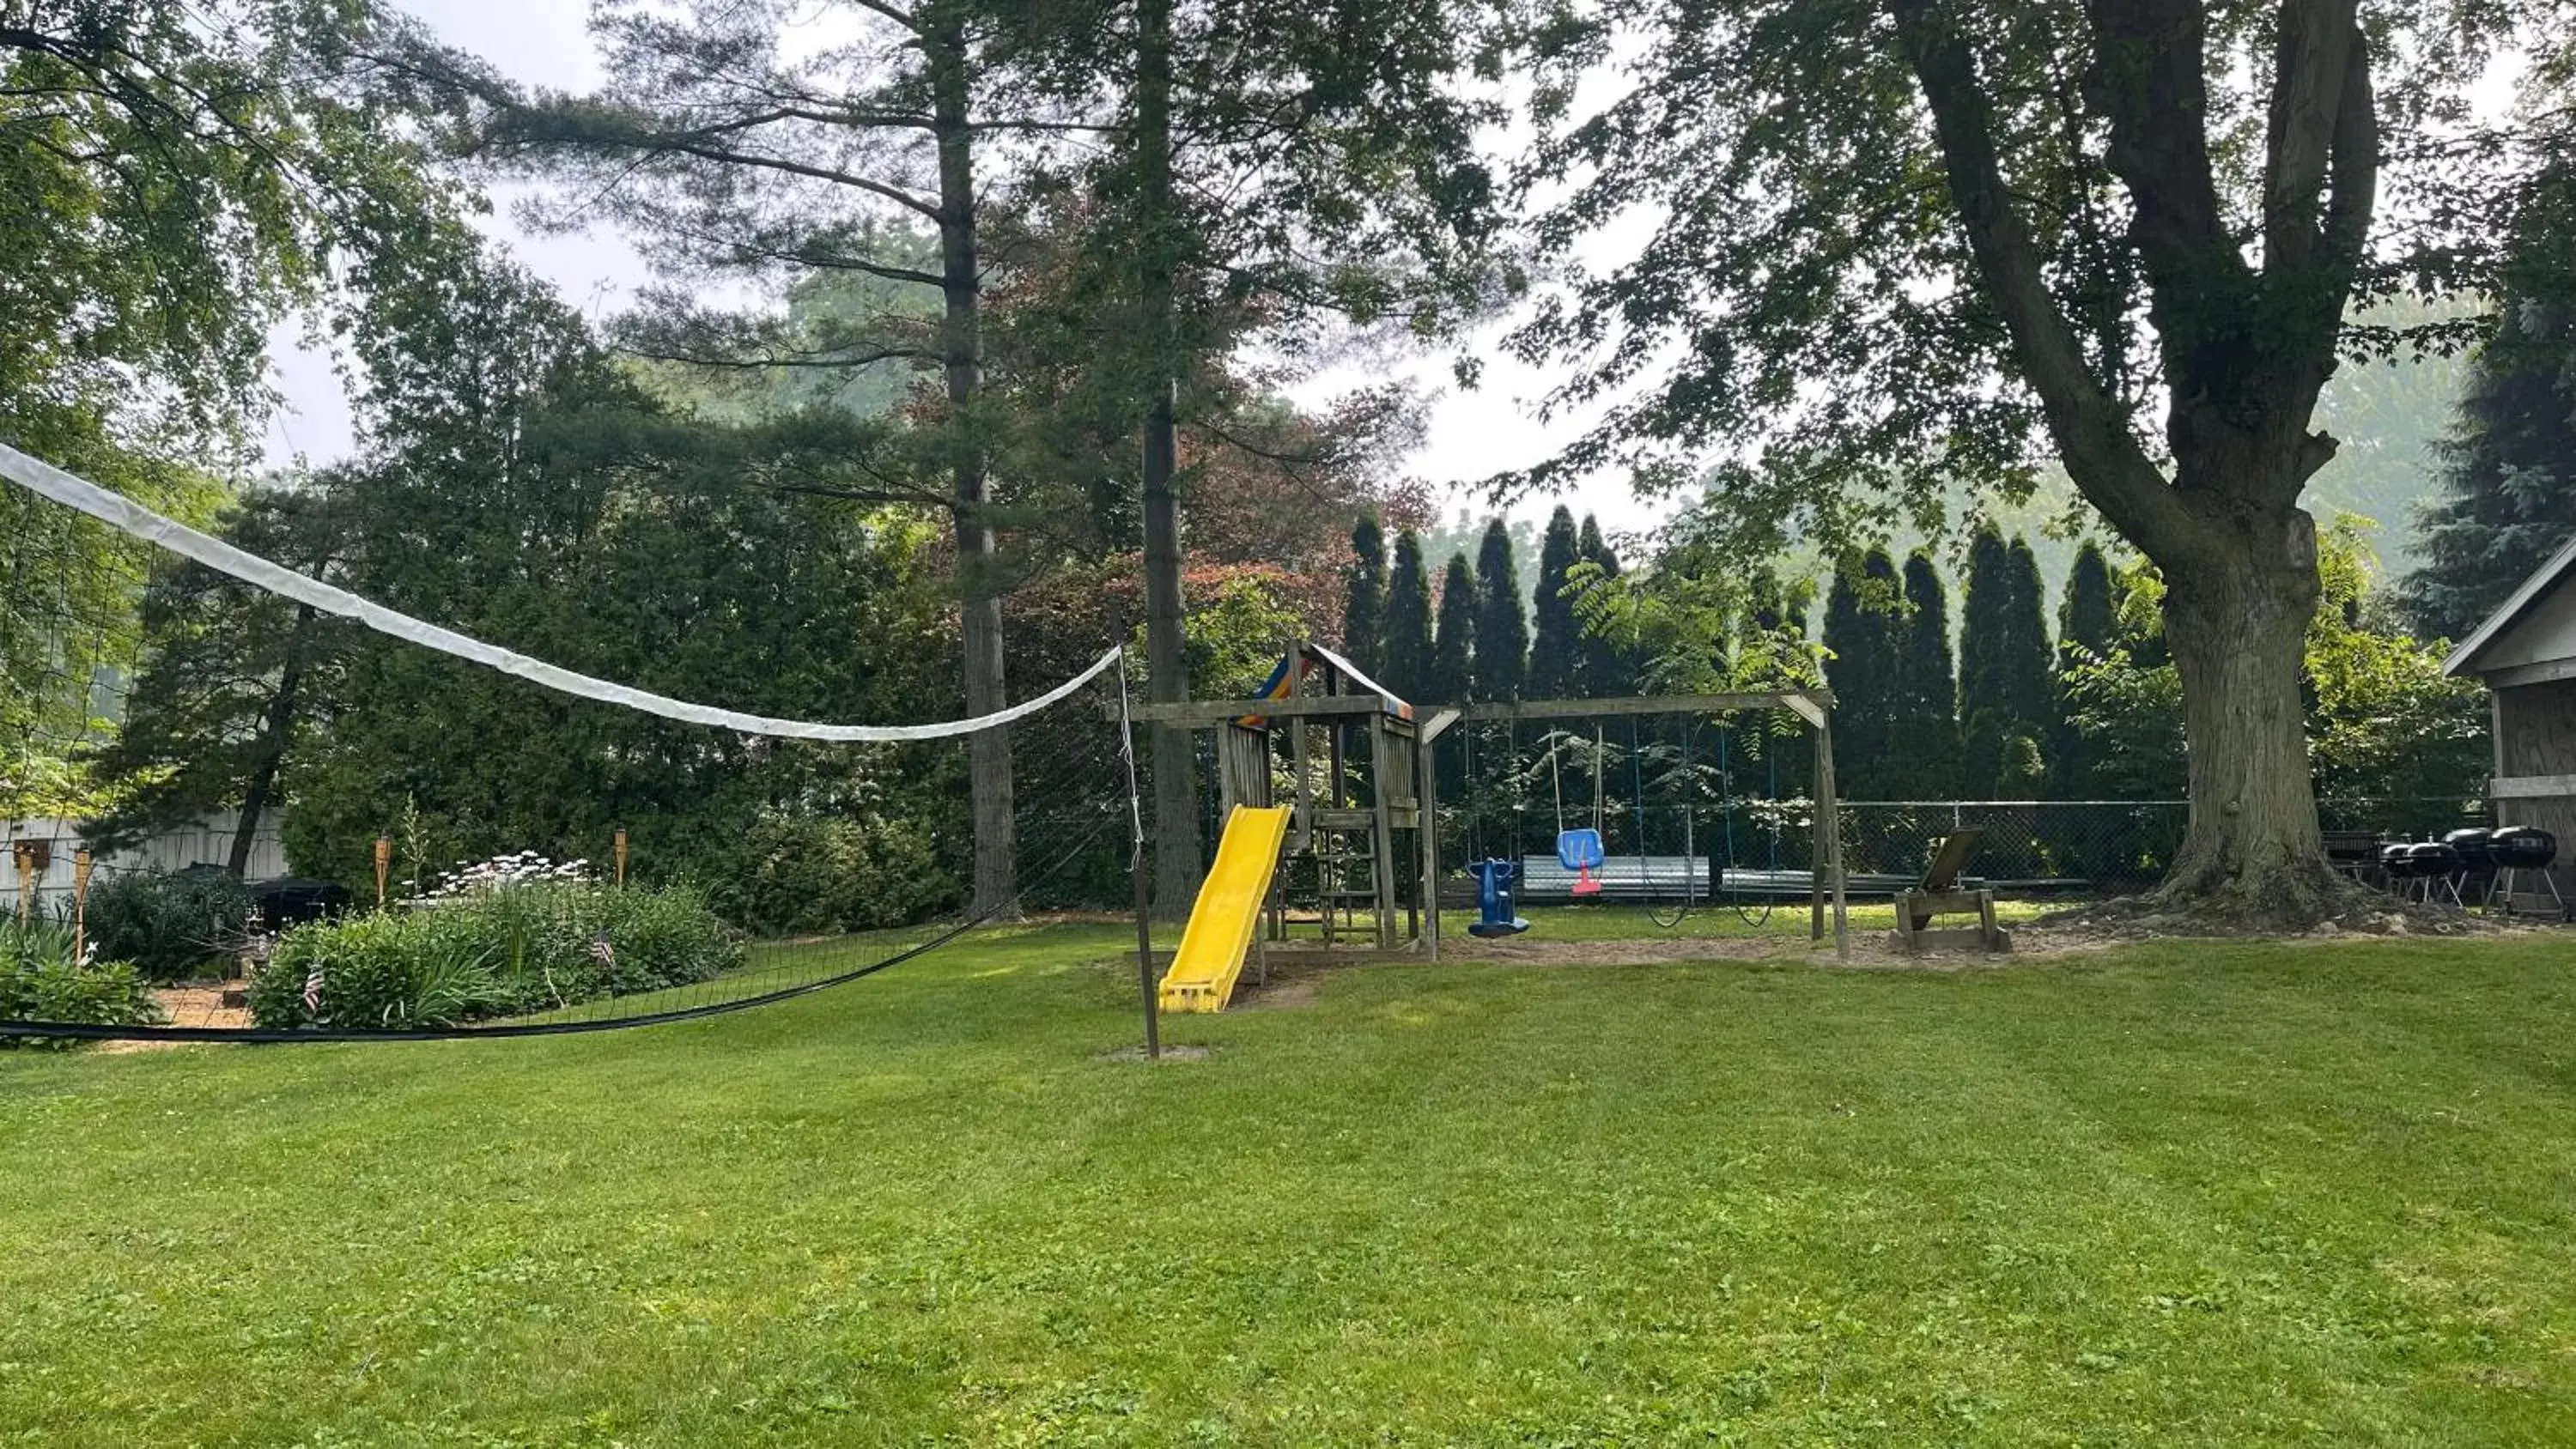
1494,900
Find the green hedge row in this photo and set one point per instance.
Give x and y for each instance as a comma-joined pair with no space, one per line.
171,927
508,952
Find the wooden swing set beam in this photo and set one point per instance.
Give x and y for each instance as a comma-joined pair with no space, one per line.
1808,704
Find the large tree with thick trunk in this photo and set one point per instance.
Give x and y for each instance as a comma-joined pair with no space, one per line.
1914,237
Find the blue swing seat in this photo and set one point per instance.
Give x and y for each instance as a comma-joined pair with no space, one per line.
1579,849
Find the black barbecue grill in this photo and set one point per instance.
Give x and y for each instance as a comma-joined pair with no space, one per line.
2520,850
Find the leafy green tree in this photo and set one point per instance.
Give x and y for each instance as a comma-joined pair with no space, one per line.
173,181
1502,629
2507,479
232,674
2386,725
1364,607
1408,622
1454,652
1862,636
1923,739
2149,219
1556,650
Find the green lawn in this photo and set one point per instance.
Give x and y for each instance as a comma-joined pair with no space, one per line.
2180,1195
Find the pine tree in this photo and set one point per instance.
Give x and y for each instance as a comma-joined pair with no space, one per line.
1985,691
2007,691
2087,627
2507,481
1407,655
1556,656
1364,613
1502,630
1453,652
1923,744
1608,667
2030,658
1860,668
2088,619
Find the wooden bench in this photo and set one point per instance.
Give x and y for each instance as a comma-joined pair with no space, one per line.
1938,895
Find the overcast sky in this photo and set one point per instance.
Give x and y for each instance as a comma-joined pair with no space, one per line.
546,42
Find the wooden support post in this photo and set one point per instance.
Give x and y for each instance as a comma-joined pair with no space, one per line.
1382,832
1426,789
81,864
1816,839
1829,819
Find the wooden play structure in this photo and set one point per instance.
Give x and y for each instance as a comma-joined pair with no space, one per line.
1327,796
1324,789
1939,894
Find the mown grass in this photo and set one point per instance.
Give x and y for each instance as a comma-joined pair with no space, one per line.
2181,1195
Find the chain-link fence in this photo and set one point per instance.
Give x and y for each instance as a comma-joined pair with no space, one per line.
2063,848
2091,847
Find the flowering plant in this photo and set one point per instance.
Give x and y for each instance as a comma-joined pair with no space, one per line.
481,877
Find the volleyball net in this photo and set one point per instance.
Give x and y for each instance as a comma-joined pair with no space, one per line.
477,838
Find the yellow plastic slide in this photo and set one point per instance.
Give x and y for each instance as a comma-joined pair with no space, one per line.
1203,972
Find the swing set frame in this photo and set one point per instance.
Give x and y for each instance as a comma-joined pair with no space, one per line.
1828,896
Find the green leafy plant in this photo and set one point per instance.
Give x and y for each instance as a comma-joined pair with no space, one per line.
43,979
171,927
524,947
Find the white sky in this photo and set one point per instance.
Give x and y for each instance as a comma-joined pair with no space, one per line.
546,42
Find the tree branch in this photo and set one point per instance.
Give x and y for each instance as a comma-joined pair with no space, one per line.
2090,426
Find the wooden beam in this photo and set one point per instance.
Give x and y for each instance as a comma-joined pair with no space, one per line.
1438,724
1221,711
2513,676
1816,699
2531,787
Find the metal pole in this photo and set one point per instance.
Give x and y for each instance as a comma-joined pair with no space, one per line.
1136,868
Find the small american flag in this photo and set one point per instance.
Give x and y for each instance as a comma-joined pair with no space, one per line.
602,952
313,991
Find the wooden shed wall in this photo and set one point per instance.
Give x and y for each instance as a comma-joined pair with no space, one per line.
2536,736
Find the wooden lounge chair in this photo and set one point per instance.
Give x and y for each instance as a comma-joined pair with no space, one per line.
1939,895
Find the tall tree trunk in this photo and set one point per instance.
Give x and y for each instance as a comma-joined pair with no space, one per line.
2236,619
1176,839
277,731
961,349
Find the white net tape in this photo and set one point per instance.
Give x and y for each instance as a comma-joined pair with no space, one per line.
133,518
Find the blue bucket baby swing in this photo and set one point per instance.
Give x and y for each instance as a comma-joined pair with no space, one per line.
1578,850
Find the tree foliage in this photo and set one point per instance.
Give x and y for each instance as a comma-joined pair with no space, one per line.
1923,733
1502,626
1408,621
2384,723
1364,604
1556,645
2507,479
2149,219
1863,634
1453,654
